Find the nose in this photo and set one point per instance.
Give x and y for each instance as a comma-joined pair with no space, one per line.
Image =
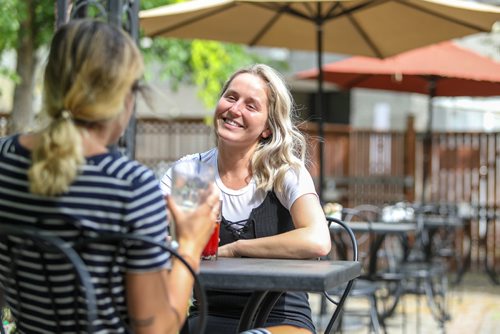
235,108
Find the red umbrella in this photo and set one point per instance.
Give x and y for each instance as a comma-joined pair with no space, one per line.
443,69
454,70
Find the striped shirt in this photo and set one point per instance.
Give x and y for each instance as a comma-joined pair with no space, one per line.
110,194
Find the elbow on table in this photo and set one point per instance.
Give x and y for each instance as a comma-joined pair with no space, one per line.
321,248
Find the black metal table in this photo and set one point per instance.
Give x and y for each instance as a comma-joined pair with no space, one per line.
269,278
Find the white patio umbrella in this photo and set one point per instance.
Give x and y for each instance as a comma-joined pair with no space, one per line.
377,28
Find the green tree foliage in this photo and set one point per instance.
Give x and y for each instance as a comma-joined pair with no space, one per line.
25,26
14,13
207,64
8,25
28,25
8,34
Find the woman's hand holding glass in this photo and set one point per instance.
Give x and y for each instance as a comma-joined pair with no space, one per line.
194,227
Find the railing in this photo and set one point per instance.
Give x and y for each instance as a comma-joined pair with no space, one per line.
465,168
161,142
362,166
366,166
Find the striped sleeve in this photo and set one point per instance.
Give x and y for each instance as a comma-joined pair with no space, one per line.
147,216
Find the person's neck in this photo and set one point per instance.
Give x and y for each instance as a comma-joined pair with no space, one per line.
94,140
234,166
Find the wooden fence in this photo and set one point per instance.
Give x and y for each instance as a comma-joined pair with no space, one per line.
377,167
160,142
465,168
363,166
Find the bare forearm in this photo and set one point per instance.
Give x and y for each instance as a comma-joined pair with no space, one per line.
303,243
158,302
181,282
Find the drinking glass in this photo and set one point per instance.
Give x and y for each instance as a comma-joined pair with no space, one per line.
210,250
190,187
190,182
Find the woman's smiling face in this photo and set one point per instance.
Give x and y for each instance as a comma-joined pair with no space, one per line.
242,111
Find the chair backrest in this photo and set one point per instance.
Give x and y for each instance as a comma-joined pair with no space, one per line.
348,287
45,282
121,239
44,276
389,254
365,213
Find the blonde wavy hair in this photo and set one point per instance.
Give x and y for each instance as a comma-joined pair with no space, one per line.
91,68
285,148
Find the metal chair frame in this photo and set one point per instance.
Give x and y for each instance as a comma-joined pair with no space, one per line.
365,286
199,290
340,303
46,241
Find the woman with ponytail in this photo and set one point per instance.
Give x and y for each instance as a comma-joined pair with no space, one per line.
69,179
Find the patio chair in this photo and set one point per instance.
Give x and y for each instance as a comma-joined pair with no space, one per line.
342,292
53,254
365,287
414,273
23,283
119,240
382,267
425,274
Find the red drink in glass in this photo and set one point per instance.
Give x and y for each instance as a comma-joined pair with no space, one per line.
210,251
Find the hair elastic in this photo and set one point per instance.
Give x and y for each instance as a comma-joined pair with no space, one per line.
65,114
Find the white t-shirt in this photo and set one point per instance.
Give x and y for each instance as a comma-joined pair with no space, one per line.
239,203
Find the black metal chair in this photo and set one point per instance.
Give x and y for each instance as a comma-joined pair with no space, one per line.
384,255
346,290
23,243
365,287
425,273
415,273
120,239
35,262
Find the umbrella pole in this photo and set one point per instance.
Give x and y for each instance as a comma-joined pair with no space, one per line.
428,140
319,110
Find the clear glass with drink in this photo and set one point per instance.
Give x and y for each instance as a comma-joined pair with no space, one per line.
191,180
210,250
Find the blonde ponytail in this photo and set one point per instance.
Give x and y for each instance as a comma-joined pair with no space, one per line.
56,158
91,68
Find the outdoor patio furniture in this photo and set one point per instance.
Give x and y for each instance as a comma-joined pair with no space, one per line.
24,282
423,272
374,285
59,258
344,291
120,240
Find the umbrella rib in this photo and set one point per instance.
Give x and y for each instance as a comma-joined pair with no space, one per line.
311,14
309,9
192,20
364,35
267,26
286,9
363,5
444,17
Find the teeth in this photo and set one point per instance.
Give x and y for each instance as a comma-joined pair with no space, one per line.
230,122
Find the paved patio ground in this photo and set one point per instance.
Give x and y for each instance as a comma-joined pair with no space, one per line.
474,307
